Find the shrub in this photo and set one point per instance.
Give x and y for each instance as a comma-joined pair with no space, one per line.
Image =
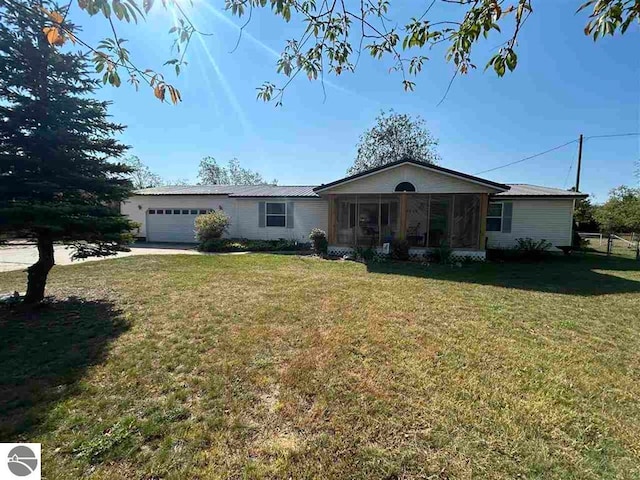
531,245
531,249
525,249
319,242
441,254
245,245
368,255
285,245
400,249
211,225
365,255
215,245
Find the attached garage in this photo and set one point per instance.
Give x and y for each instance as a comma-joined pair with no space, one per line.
172,224
258,212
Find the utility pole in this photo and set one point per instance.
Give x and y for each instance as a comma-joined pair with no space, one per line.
579,163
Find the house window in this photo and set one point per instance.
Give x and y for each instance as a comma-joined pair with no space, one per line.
494,217
405,187
276,214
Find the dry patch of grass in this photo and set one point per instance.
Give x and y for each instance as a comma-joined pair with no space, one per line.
287,367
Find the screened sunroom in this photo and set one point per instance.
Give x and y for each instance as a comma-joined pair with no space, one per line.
424,220
426,205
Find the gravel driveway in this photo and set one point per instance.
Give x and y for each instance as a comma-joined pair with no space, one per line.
16,256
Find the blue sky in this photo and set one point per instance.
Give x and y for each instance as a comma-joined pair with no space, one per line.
565,84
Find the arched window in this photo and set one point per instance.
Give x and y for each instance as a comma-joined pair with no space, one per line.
405,187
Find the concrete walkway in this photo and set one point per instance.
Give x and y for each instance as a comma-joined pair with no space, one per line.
18,256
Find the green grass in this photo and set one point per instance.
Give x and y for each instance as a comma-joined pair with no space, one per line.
272,366
619,249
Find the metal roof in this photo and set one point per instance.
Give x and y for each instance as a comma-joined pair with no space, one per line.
277,191
307,191
526,190
233,190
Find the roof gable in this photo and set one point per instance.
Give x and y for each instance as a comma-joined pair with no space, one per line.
426,178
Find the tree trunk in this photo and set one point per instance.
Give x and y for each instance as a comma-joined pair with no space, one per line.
37,273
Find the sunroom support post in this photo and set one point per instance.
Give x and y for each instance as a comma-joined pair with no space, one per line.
484,208
333,220
403,216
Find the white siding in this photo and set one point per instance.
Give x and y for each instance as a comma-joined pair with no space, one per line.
425,181
538,219
308,213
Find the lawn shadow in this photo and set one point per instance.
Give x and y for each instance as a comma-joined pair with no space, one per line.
44,352
571,275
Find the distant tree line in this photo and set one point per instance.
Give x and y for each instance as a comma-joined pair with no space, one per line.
620,213
209,173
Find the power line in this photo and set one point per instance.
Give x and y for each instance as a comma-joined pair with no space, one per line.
631,134
528,158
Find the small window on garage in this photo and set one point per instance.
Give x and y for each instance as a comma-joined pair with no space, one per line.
176,212
152,212
168,212
203,211
185,212
159,212
194,212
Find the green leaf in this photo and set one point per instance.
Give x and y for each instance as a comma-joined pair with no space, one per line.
118,8
106,10
512,60
498,66
585,5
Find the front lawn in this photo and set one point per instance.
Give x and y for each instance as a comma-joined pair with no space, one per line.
275,366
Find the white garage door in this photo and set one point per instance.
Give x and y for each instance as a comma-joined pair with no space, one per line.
172,224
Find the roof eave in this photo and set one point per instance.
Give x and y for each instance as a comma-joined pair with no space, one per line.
157,194
542,197
274,196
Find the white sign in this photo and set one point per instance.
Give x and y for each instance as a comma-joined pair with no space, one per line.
20,461
385,248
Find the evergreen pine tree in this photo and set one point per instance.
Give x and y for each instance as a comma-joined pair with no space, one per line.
59,181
